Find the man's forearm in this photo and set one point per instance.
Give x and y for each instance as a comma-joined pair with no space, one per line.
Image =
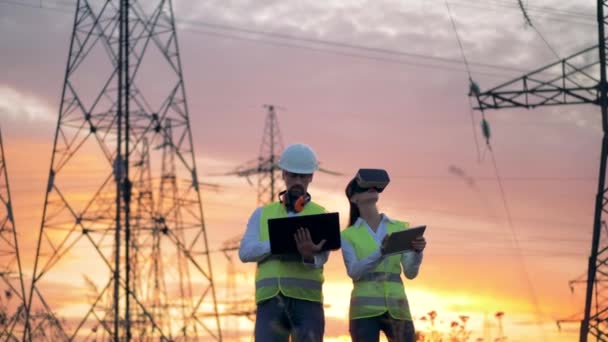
254,251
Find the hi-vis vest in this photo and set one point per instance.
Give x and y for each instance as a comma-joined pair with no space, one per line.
292,278
380,290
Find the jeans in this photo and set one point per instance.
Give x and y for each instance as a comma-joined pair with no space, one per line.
279,317
368,329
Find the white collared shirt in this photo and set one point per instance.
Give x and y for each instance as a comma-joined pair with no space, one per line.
410,260
254,250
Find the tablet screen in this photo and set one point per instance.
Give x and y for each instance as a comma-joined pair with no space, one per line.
400,241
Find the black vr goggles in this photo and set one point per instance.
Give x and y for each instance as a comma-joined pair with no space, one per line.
367,179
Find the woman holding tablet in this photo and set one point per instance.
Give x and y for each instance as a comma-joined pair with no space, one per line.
378,300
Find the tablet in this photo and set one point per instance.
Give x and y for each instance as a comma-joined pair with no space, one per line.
281,232
400,241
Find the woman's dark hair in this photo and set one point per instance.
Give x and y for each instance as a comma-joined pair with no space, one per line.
354,209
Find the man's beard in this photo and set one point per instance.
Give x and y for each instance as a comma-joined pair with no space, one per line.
296,191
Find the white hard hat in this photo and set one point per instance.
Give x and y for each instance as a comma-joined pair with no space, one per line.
299,158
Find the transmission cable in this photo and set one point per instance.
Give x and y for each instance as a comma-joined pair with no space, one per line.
486,132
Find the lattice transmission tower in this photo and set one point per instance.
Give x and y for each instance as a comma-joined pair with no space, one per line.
12,295
123,238
266,167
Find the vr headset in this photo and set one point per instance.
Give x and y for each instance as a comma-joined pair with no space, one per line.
370,178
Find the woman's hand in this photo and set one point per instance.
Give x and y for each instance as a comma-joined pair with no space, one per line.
419,243
306,246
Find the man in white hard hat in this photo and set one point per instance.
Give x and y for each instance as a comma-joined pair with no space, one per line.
288,290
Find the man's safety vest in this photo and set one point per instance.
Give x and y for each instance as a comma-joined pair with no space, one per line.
380,290
292,278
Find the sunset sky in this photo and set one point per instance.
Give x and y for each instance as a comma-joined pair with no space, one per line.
383,86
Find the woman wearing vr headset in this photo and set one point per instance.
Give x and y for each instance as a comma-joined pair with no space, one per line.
378,300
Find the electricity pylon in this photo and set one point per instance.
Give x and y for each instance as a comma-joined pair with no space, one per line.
265,167
237,304
600,290
141,220
578,79
149,281
12,297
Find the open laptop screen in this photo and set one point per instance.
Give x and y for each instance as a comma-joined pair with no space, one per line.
281,232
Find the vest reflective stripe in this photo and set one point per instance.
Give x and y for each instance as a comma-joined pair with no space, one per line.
287,275
283,257
380,290
380,276
303,283
377,301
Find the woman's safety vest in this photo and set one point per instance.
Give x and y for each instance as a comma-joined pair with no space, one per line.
292,278
380,290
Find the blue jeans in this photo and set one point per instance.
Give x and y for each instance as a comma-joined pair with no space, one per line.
368,329
279,317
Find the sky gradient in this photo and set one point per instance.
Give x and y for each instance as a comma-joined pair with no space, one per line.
398,102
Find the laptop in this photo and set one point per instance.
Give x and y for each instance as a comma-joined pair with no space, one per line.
281,232
400,241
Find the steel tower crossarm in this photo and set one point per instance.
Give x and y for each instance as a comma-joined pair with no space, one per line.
569,81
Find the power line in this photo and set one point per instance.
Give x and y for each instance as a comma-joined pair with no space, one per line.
240,31
328,43
527,255
549,14
537,30
334,52
188,27
468,69
548,11
460,214
345,45
512,179
515,239
557,11
487,178
517,247
37,6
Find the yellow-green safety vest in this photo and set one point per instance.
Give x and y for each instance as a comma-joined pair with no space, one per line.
291,278
380,290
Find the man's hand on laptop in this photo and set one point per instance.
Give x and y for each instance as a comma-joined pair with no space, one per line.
306,246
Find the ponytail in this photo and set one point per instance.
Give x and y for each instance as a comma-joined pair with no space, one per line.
354,209
354,214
